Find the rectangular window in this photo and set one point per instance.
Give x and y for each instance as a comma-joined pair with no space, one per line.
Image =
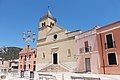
24,67
110,42
112,59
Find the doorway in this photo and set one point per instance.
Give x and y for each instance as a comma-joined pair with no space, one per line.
87,65
31,74
22,74
55,58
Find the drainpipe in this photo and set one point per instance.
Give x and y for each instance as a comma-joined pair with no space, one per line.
102,53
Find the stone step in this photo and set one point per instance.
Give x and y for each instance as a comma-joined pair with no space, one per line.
54,68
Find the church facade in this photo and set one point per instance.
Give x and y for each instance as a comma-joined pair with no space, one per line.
55,47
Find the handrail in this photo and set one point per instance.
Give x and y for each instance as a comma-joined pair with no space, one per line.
86,49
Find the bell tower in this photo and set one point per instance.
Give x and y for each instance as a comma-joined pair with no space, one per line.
47,20
46,24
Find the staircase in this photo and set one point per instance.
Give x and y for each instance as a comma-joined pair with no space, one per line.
54,68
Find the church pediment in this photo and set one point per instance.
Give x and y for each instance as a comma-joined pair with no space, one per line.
56,29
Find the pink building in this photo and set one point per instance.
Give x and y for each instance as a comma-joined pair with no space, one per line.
87,52
109,48
27,56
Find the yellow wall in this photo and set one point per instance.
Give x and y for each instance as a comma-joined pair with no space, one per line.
62,51
46,44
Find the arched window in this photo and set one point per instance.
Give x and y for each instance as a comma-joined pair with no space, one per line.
34,62
43,24
34,68
20,66
43,56
21,57
25,57
29,56
51,24
35,55
29,66
69,53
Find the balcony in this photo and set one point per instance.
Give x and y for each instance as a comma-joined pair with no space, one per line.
110,45
85,49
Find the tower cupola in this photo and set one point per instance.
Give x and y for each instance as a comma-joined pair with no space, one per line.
47,20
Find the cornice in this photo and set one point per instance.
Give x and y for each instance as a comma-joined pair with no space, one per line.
48,43
55,32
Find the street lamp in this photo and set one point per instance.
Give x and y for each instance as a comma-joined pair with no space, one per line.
28,37
3,51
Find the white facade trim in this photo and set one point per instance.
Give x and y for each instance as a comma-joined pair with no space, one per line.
106,39
109,29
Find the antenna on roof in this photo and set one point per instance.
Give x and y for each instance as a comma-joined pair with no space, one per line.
48,4
48,7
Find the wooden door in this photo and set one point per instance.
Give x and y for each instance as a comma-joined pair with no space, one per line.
87,64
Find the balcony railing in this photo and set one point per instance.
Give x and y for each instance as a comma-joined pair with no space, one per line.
85,49
110,45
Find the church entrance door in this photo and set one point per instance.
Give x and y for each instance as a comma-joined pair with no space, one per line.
55,58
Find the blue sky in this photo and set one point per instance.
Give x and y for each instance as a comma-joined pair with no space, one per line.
17,16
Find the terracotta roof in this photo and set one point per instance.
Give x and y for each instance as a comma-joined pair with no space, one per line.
25,50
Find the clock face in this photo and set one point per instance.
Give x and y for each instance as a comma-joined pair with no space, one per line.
55,36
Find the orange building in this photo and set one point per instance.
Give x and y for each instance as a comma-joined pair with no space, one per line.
108,38
27,61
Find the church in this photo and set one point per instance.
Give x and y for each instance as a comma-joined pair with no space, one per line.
55,46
